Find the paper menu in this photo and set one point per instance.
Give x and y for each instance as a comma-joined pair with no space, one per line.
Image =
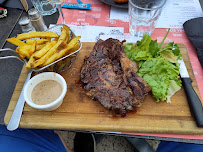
174,14
97,16
127,37
94,33
119,14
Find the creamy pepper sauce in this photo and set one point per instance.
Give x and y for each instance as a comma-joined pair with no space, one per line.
46,92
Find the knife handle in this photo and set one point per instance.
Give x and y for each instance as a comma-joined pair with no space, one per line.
17,112
194,101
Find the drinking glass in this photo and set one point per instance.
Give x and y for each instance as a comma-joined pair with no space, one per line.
58,4
143,15
44,7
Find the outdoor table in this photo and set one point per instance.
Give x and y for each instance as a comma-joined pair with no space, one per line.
11,69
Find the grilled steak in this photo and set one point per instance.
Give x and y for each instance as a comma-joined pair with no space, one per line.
110,77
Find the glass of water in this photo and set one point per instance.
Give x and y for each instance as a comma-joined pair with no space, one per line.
44,7
143,15
58,4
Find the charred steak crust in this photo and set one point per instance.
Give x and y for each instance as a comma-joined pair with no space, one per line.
110,77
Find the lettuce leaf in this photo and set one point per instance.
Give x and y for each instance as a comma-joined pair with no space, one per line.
128,48
158,72
173,88
154,48
157,66
141,51
173,47
168,55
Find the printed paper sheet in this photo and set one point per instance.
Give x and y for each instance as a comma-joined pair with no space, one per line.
174,14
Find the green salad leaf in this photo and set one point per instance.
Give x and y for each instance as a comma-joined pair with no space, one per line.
173,47
141,51
154,48
168,55
173,88
158,65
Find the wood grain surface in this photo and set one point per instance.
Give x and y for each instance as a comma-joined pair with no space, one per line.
79,112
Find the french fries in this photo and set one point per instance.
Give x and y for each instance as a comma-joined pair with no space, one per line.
63,52
53,50
68,32
24,51
22,56
47,48
29,64
33,47
16,41
40,41
44,50
36,35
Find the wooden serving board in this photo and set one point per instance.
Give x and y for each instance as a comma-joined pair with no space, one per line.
79,112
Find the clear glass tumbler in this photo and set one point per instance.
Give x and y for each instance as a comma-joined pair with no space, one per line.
44,7
59,6
143,16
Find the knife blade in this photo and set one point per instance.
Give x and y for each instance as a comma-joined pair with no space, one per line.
194,102
25,5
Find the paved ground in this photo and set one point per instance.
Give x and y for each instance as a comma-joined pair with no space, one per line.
108,143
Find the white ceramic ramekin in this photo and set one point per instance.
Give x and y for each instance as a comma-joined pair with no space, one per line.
39,78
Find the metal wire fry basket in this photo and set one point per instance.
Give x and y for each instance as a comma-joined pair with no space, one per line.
65,62
59,65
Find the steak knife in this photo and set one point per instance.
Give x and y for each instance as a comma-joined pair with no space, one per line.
193,100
